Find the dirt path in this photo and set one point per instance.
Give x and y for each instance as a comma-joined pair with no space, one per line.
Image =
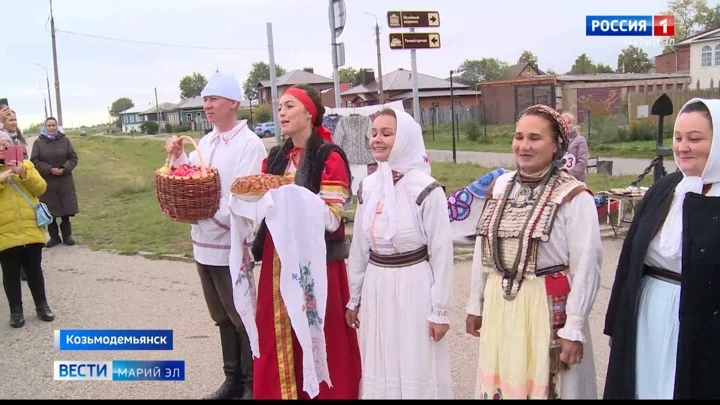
100,290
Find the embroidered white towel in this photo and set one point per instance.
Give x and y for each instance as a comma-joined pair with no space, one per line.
295,218
244,216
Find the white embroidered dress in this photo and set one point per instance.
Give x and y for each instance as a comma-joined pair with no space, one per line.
399,359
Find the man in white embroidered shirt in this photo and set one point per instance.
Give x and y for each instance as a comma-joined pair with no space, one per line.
235,151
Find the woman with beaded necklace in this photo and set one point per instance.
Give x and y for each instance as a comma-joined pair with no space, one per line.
536,272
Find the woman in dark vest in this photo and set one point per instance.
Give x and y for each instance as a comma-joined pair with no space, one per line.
55,159
309,157
663,317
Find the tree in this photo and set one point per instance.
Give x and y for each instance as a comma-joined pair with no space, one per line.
690,18
584,65
348,75
600,68
191,86
120,105
260,71
486,69
633,60
528,57
711,19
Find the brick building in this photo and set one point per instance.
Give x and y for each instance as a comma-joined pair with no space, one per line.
673,61
504,99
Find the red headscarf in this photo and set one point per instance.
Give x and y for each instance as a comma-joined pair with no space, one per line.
310,106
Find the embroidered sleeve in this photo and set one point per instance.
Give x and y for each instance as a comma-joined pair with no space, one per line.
334,190
358,259
436,223
585,249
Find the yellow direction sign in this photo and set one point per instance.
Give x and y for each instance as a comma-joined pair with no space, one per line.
415,40
413,19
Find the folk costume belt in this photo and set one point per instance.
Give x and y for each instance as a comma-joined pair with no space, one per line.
550,270
663,274
400,259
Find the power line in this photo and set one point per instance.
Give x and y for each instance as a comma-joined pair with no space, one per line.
184,46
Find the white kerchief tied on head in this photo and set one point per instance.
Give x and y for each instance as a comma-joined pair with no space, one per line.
672,231
407,154
223,85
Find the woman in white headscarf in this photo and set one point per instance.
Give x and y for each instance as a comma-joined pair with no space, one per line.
401,265
663,317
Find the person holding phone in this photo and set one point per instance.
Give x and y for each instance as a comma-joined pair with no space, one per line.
21,239
8,123
8,119
55,159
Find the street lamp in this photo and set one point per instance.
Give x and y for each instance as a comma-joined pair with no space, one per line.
452,111
47,79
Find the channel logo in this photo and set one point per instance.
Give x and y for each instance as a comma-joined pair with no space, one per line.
119,370
630,25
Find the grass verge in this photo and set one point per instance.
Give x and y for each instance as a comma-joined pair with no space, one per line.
499,137
119,210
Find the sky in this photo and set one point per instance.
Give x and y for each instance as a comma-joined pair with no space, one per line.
229,35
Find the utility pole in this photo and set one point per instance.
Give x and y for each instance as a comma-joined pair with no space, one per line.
44,100
415,93
55,63
273,82
333,45
47,79
379,59
157,106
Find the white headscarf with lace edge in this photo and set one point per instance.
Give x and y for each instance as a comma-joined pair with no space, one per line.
408,153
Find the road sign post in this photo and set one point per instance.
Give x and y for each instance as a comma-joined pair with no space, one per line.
413,41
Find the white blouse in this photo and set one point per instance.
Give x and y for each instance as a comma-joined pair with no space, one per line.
235,153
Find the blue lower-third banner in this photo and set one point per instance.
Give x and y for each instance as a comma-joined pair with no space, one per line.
113,339
120,370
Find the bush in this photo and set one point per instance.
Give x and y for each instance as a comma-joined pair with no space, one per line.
183,128
473,131
263,113
641,130
168,128
149,127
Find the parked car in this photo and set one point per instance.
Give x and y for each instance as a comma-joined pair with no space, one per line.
265,129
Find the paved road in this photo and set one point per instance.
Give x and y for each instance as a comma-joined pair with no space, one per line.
89,289
621,166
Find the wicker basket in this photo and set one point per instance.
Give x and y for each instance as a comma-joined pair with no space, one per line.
188,198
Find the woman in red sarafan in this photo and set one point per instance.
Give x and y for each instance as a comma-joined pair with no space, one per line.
310,158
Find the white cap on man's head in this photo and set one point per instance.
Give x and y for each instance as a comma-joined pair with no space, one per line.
223,85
